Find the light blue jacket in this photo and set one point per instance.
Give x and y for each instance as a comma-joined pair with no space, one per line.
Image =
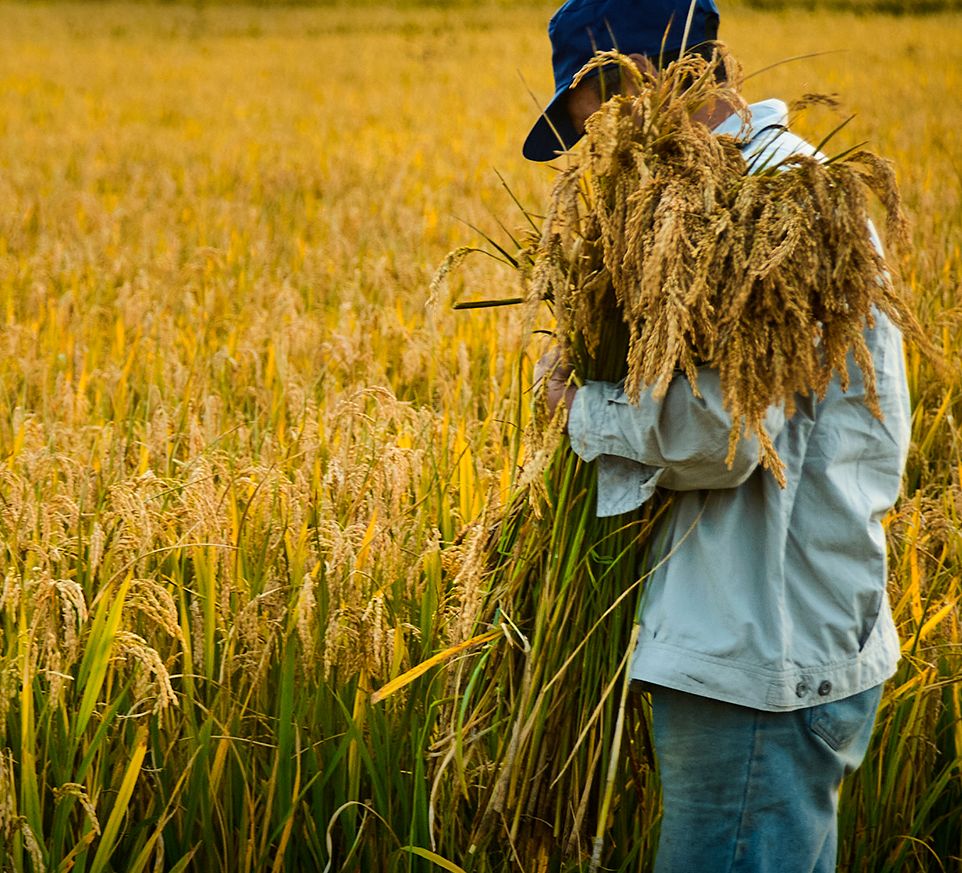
771,597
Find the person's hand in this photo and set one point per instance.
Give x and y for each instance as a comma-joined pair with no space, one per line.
556,378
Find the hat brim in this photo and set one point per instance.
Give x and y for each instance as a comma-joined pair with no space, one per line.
553,132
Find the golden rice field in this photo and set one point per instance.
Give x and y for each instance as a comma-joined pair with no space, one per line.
240,452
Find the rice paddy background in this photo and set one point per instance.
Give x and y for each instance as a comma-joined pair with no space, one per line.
238,448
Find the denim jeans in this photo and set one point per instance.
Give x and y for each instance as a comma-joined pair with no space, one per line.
747,791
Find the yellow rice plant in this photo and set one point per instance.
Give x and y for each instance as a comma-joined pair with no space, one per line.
241,465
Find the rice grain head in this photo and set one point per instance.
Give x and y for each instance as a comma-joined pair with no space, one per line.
770,277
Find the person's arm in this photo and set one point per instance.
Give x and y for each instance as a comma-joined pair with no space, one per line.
684,435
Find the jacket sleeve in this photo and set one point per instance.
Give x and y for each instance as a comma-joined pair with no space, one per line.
683,435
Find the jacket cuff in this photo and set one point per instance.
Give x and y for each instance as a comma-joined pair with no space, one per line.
587,410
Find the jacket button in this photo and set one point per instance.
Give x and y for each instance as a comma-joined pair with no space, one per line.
825,688
801,689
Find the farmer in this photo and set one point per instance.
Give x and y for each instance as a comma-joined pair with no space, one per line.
767,634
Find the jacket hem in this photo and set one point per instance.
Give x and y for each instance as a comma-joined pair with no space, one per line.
771,690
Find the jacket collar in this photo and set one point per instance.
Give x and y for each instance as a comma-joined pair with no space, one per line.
767,113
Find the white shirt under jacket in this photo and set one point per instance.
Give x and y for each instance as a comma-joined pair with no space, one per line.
773,598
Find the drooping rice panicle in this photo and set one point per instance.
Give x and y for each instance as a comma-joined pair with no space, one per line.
768,274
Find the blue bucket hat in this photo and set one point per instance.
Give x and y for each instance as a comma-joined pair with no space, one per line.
582,27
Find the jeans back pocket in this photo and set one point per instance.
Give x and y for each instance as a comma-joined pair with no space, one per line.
838,723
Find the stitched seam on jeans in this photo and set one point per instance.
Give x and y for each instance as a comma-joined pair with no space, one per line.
819,730
748,783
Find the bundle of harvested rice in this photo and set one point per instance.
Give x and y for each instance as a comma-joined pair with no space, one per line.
662,250
767,273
